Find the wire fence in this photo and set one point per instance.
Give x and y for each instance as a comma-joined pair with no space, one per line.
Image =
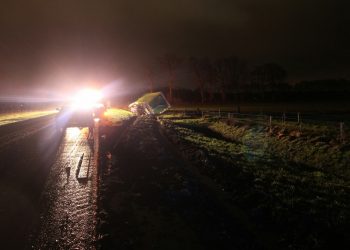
335,127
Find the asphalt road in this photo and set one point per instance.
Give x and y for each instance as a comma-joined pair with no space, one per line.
67,219
27,150
47,186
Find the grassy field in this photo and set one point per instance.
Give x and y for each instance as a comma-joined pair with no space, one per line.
21,116
294,184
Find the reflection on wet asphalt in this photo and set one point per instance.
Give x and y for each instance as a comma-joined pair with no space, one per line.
68,216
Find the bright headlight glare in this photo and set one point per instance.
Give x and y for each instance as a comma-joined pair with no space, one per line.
86,99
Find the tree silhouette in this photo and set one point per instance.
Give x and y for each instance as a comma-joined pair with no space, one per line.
203,71
221,78
230,75
171,63
268,77
149,76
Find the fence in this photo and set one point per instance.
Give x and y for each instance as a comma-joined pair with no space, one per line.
336,127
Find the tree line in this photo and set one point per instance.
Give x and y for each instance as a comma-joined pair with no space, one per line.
230,79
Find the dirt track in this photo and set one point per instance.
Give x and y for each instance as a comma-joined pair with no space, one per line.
151,198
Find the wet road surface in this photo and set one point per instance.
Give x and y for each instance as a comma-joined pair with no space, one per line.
68,216
47,186
27,150
16,132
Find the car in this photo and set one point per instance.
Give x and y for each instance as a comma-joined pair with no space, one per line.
83,110
70,117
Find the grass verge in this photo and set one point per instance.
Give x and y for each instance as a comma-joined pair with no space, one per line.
294,186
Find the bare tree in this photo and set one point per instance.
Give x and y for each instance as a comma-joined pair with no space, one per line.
236,71
211,80
268,77
230,74
150,79
221,77
200,68
171,63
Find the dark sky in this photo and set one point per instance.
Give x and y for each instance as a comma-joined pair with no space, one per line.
56,45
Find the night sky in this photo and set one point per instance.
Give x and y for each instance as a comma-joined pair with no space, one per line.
54,45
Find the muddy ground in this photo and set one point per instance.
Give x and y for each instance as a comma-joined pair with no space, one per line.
150,197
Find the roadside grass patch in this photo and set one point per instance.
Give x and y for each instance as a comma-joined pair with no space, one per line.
309,148
296,187
114,116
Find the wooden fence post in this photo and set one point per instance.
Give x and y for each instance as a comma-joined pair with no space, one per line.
299,122
298,117
341,127
284,119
